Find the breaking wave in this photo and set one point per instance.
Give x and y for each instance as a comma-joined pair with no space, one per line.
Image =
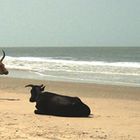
42,64
88,71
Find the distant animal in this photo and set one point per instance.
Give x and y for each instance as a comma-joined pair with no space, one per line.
3,70
59,105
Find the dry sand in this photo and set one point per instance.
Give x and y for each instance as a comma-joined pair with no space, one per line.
115,109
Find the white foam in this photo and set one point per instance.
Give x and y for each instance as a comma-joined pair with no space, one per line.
44,64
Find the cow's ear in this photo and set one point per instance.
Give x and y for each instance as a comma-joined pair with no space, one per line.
42,88
41,85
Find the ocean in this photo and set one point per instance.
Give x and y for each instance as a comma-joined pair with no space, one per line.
102,65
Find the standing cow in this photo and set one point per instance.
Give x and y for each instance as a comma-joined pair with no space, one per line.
3,70
53,104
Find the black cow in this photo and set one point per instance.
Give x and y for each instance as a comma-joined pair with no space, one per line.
53,104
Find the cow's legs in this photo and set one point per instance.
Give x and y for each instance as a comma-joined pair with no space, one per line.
39,112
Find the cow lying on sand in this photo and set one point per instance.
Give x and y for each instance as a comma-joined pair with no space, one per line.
53,104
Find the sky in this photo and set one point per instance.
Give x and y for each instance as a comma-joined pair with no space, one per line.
69,23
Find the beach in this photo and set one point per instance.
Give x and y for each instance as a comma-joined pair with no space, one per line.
115,112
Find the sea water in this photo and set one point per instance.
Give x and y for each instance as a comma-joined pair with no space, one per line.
104,65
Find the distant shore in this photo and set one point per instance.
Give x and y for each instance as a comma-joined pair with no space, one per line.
114,109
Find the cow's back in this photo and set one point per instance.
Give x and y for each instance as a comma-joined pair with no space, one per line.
54,104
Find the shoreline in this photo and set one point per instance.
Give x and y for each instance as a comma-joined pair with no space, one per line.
20,74
114,109
74,88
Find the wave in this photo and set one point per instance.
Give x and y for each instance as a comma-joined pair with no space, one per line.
51,68
44,64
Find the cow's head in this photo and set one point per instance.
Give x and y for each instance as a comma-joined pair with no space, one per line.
3,70
35,91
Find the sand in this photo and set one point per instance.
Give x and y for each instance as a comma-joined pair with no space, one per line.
115,112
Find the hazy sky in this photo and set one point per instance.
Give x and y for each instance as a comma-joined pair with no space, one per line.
69,23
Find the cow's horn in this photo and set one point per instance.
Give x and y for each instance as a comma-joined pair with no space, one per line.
2,56
30,85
